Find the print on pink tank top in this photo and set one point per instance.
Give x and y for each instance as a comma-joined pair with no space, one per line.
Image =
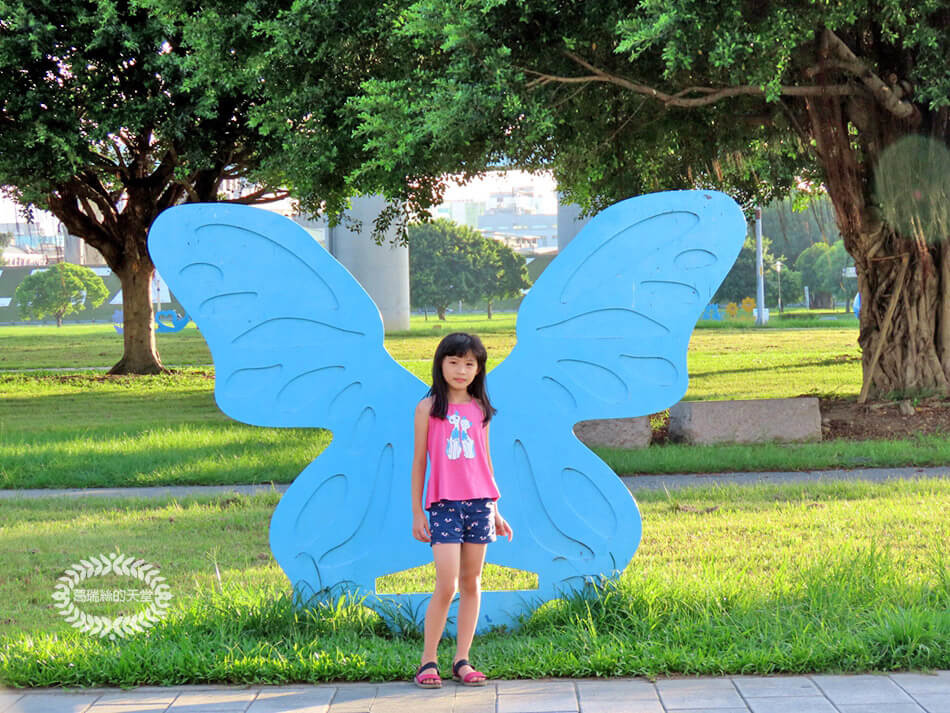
458,458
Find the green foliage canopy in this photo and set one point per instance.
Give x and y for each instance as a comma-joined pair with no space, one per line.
450,262
821,267
104,122
59,290
503,274
740,282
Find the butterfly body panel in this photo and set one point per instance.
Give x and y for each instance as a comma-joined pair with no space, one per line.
298,343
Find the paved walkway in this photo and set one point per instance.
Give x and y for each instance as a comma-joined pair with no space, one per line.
894,693
634,483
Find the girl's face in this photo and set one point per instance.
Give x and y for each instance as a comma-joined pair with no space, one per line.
459,371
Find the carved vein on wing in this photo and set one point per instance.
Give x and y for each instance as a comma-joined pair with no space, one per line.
225,295
286,253
611,320
201,265
296,321
631,240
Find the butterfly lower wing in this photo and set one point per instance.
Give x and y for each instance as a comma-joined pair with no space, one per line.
297,342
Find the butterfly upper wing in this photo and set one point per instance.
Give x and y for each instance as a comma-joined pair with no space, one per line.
602,334
607,325
297,342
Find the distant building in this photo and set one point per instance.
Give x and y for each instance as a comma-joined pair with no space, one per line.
15,256
514,217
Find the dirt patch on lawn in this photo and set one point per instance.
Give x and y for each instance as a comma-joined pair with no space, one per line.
841,418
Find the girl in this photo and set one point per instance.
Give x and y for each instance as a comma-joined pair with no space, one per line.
451,427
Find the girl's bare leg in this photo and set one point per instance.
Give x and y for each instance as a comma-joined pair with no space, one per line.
470,595
446,558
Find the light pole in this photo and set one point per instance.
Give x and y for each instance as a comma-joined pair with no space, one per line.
778,269
759,272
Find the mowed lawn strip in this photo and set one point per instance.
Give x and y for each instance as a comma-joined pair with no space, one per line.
85,429
765,579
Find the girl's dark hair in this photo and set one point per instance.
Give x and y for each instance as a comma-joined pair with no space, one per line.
459,344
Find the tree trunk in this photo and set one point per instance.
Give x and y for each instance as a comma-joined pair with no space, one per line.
441,312
141,354
489,309
912,359
915,357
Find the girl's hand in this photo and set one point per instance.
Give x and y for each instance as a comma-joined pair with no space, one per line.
420,527
502,528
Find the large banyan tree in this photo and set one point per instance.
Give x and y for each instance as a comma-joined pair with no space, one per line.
619,98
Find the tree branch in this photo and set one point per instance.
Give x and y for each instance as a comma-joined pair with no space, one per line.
260,196
680,99
888,98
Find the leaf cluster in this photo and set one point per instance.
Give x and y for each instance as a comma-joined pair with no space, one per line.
821,268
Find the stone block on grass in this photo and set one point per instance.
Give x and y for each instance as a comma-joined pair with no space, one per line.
753,421
615,432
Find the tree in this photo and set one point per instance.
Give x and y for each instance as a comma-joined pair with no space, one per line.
799,221
446,264
503,273
619,99
740,281
59,290
821,267
104,121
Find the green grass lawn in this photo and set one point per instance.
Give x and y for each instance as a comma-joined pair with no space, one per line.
84,429
764,579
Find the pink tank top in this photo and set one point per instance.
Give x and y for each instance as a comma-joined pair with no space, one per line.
458,457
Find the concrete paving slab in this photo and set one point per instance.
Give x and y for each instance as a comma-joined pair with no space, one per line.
923,684
790,704
420,702
537,702
775,686
540,685
296,700
881,708
474,700
138,697
56,703
7,699
699,693
610,705
711,710
354,698
127,707
866,688
620,689
935,703
215,700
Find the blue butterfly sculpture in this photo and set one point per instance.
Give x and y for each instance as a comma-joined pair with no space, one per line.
298,343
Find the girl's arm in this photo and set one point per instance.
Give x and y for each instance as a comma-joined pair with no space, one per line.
420,526
502,528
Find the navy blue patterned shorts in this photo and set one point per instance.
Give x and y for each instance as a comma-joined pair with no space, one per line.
457,521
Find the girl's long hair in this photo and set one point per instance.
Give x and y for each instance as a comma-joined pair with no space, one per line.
459,344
